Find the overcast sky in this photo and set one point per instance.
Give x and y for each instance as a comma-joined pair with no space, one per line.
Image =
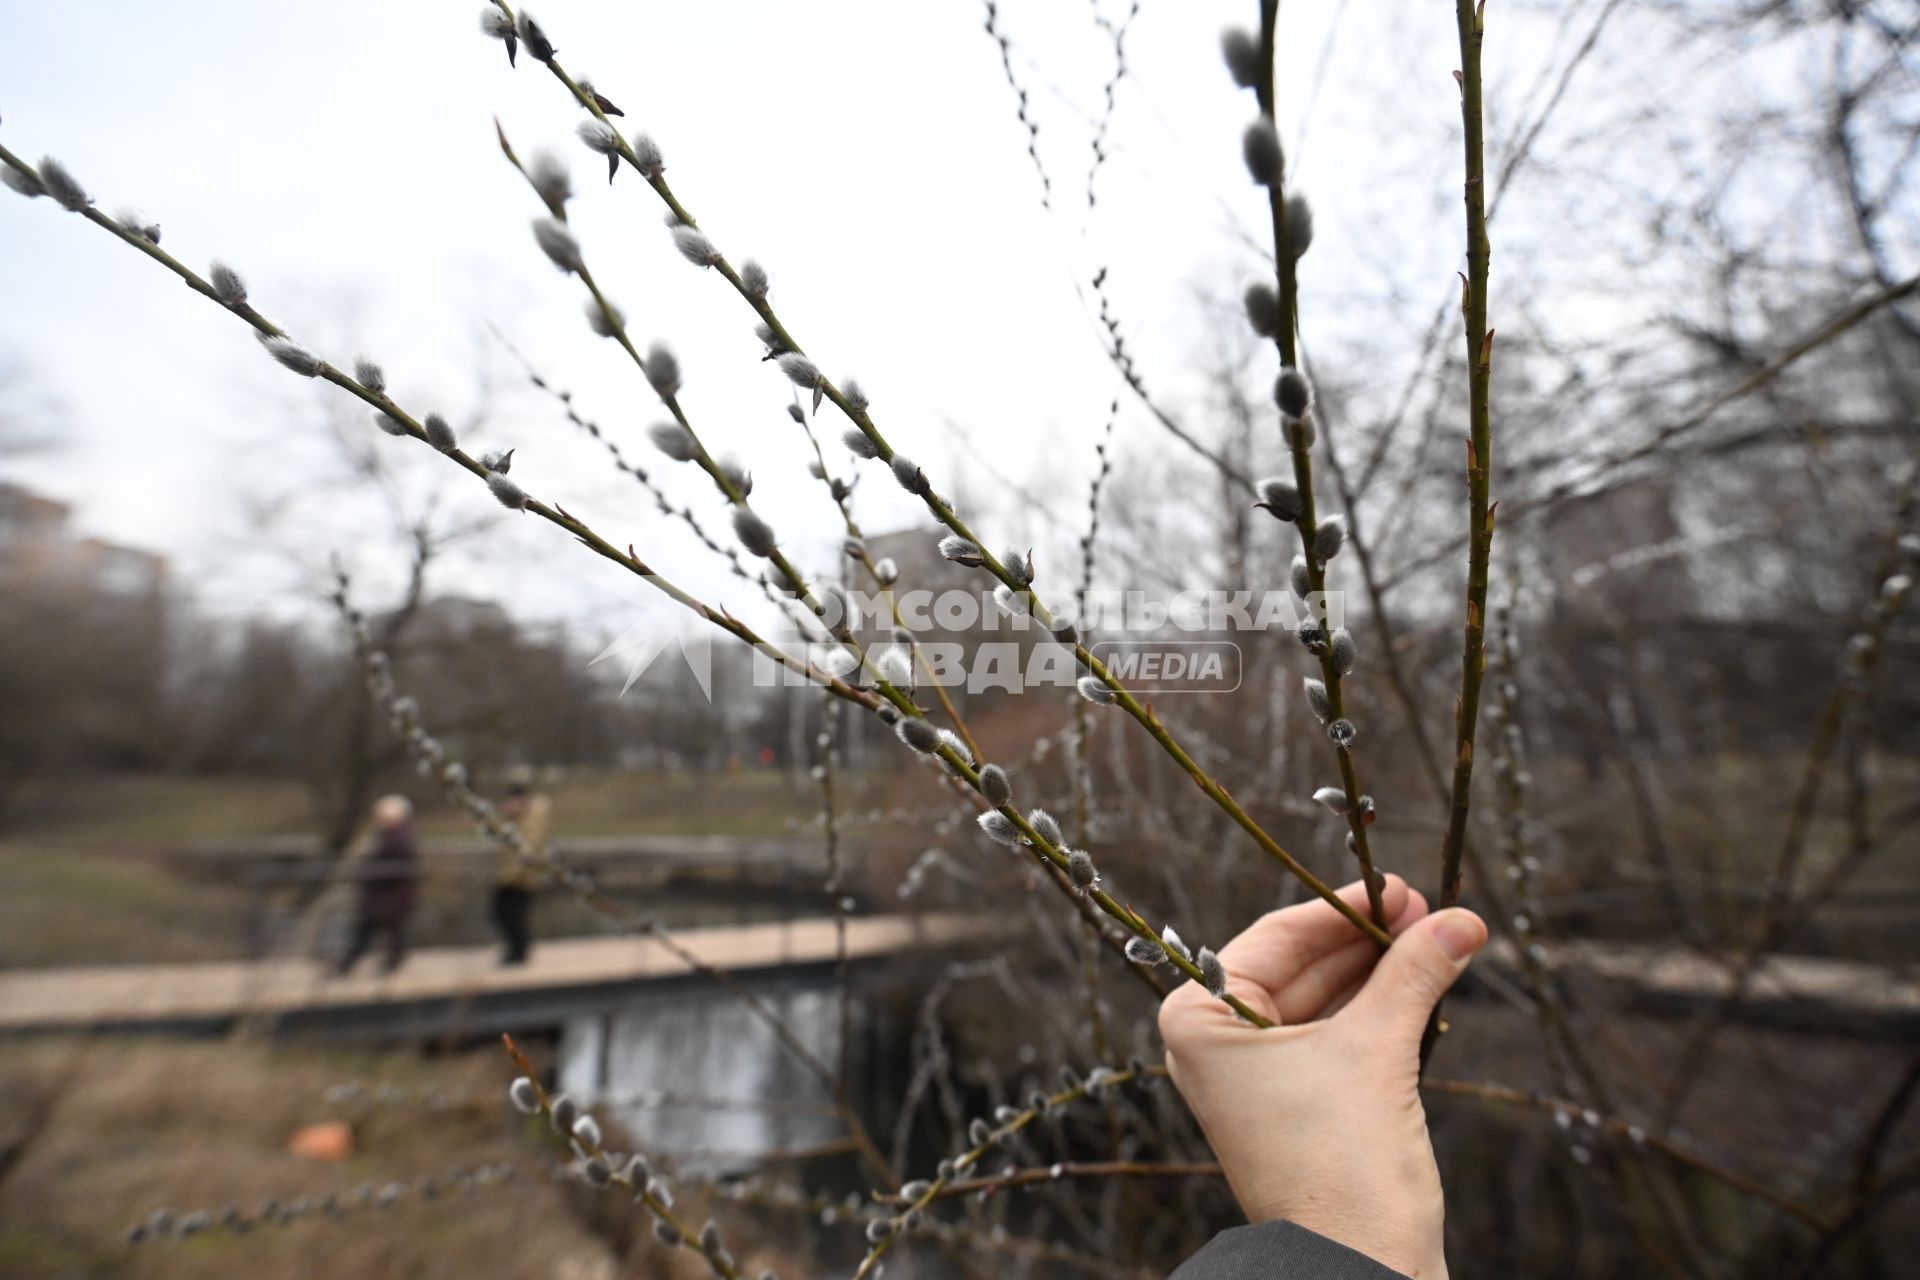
343,159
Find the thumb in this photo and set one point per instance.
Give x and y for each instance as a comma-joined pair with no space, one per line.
1416,971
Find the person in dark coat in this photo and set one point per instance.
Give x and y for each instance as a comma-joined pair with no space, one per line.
389,877
1317,1120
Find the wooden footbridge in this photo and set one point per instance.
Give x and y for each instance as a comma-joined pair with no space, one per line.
464,990
450,990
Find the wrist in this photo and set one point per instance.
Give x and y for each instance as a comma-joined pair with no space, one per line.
1398,1233
1412,1253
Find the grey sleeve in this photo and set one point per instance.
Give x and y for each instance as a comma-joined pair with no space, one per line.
1279,1251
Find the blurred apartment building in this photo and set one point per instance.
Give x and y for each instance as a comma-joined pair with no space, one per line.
40,548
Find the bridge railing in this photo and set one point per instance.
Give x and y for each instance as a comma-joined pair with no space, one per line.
299,897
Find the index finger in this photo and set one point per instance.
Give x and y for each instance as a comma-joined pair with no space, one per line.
1279,945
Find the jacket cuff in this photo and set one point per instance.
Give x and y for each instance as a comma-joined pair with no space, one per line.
1279,1251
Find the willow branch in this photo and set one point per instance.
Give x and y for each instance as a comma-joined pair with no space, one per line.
1479,340
943,511
1300,437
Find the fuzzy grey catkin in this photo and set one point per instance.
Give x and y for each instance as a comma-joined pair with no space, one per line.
1171,940
293,356
1263,308
22,183
735,473
510,495
1019,565
1260,148
600,100
647,152
998,827
1281,499
1046,827
440,433
523,1095
606,321
1081,871
229,290
859,444
1241,50
391,425
495,23
551,181
563,1111
1293,393
1333,797
559,244
134,222
62,186
855,396
919,734
1298,578
694,246
1299,225
910,476
755,534
599,136
995,785
1329,538
1145,951
370,375
539,48
1342,732
1096,691
886,571
1342,650
1317,700
662,368
957,549
895,667
1213,974
673,440
802,371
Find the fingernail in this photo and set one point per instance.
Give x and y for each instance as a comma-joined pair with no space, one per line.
1459,934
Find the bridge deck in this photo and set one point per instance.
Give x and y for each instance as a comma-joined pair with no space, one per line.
446,986
222,992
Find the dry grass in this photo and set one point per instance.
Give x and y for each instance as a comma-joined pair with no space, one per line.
68,905
137,1124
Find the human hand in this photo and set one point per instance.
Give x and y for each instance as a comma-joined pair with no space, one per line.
1318,1119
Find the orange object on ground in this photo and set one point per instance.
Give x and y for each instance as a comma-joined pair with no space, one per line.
331,1141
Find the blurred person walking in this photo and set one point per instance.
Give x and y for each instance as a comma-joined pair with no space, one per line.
389,880
532,812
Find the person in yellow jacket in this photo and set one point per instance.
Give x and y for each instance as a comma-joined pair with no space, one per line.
532,812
